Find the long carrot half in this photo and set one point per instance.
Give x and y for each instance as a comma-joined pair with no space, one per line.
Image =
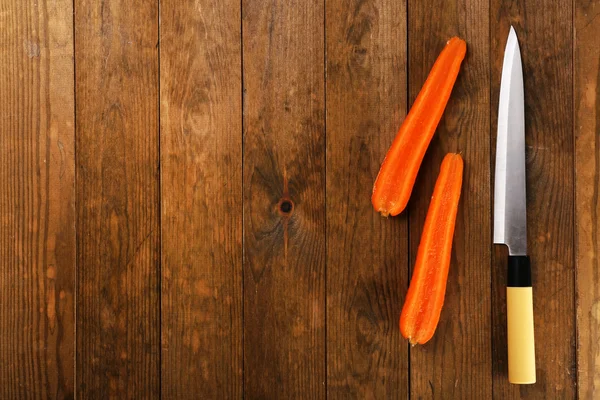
425,297
399,169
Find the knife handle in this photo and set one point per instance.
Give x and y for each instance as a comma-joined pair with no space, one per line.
519,309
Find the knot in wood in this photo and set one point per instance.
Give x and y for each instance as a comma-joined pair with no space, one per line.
286,206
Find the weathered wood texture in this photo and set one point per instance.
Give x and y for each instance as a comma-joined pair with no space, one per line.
544,28
457,362
253,265
586,124
284,198
201,164
37,200
367,262
117,183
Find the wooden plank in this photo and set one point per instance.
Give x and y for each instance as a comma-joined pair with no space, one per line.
284,198
201,163
37,200
586,123
118,238
456,363
367,263
544,28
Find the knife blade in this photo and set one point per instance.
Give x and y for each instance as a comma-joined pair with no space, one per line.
510,215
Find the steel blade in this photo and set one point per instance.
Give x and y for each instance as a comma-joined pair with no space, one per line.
510,216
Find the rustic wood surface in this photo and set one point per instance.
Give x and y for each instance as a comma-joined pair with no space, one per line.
117,184
185,198
367,255
586,131
37,200
201,156
284,199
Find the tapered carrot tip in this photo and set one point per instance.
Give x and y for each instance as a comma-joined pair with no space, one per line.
425,298
459,43
396,178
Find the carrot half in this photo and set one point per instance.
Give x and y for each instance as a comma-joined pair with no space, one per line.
398,172
425,297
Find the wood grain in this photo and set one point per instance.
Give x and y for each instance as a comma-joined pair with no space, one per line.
118,233
201,163
37,200
544,29
367,255
456,363
284,197
253,265
586,123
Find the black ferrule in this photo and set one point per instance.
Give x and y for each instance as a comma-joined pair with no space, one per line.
519,271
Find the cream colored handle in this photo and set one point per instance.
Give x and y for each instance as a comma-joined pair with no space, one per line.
521,348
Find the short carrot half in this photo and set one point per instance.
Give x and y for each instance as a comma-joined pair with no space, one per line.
398,172
425,297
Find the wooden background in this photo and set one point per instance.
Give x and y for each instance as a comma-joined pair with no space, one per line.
185,198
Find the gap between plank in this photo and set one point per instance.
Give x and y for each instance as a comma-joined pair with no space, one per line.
242,91
160,358
407,208
491,218
76,274
574,211
325,184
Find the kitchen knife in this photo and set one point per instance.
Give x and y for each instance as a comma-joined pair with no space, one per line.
510,216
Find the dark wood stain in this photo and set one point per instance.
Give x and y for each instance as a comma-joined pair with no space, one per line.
284,158
201,157
545,32
586,125
118,238
37,200
185,200
367,255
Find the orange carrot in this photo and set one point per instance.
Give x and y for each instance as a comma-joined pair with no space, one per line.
399,169
425,297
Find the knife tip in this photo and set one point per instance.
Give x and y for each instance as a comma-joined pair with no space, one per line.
512,41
